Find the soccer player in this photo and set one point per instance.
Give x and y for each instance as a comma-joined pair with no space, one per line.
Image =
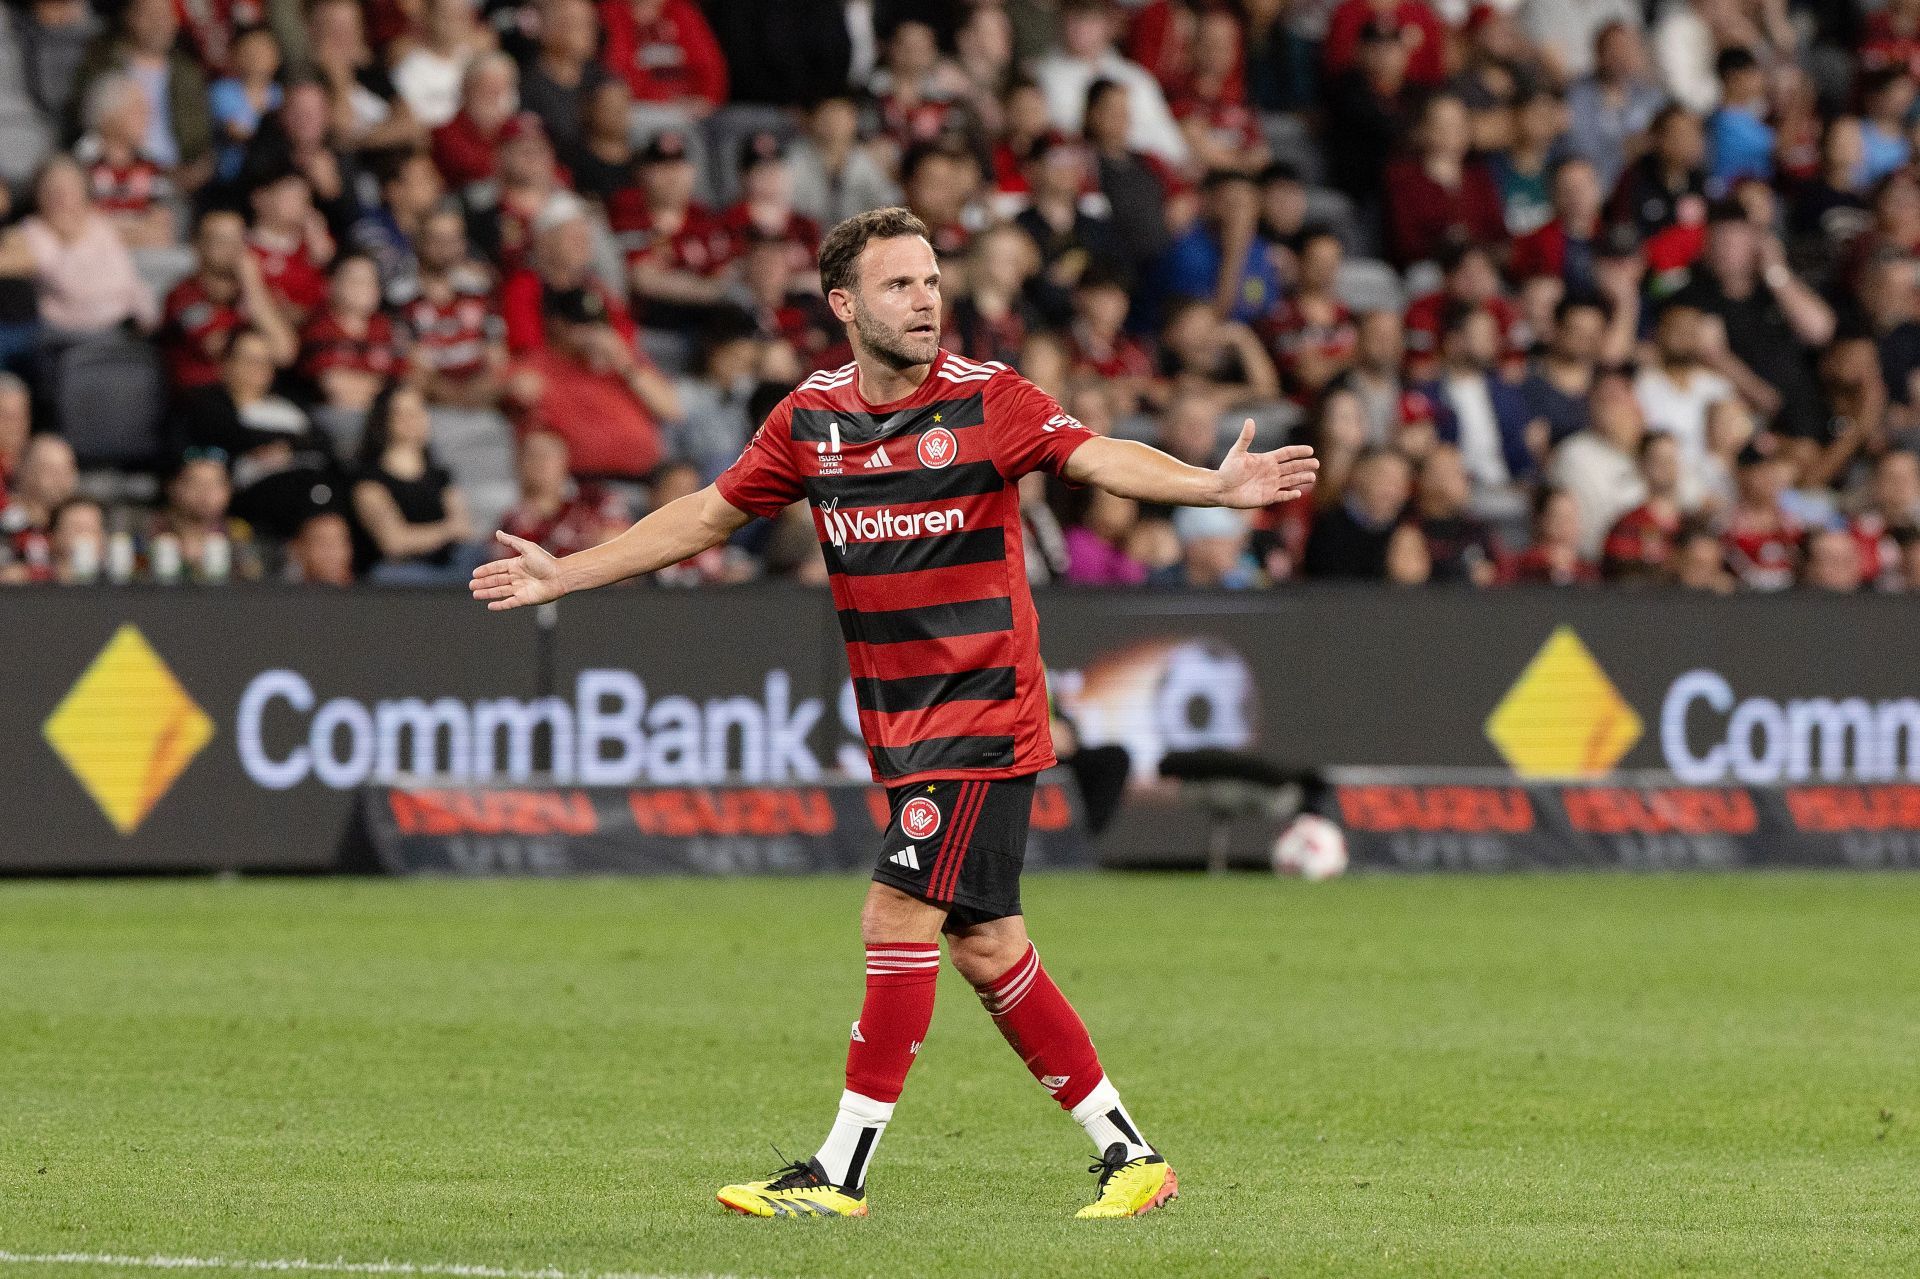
910,457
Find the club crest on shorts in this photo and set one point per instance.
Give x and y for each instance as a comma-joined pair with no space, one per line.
920,818
938,448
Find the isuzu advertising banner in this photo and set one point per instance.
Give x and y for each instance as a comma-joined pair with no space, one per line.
233,728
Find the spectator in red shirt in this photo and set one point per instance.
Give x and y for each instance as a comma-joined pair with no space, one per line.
1893,510
1554,559
590,387
348,352
1222,131
765,208
556,511
290,241
464,147
916,91
1469,279
678,253
562,259
1440,195
1640,544
1312,333
227,291
446,312
1098,345
130,189
667,53
1569,246
1762,540
531,183
1419,31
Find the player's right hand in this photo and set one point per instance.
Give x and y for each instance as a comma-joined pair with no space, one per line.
530,577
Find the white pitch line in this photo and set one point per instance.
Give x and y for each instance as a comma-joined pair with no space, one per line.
339,1266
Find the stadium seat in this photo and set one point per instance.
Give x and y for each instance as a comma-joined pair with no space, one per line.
1366,284
1291,140
109,398
477,446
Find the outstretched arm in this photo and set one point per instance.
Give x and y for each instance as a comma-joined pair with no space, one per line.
681,528
1244,479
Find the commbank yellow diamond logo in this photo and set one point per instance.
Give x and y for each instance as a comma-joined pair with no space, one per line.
127,729
1563,717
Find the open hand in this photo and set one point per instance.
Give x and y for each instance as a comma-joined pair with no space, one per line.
531,577
1247,479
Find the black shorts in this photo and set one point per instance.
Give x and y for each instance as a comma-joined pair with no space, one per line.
959,844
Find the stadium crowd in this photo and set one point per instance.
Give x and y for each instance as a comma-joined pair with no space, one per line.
1563,291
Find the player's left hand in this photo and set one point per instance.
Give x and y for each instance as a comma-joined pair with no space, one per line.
1247,479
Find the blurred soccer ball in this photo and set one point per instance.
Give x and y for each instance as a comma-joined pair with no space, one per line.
1312,848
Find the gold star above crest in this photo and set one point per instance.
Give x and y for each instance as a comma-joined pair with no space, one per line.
936,417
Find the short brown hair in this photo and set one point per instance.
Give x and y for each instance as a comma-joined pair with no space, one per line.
844,244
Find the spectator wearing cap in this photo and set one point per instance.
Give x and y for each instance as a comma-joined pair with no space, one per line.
1762,540
992,319
83,276
1558,555
562,259
1487,416
1312,333
348,350
589,386
834,177
445,309
1214,551
1830,562
127,187
1086,53
45,479
320,553
145,45
1145,198
278,459
1769,319
227,290
1411,24
1890,517
1368,110
1210,104
1739,139
1350,539
430,76
1639,547
678,254
207,542
243,98
389,233
1600,466
291,242
1440,196
1610,108
556,511
667,54
564,73
1461,549
1222,258
1663,194
765,208
1676,389
464,144
1523,171
1072,232
414,515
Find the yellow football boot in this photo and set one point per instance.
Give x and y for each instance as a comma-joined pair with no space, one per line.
1130,1187
797,1190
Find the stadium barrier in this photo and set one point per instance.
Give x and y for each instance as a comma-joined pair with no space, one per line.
183,729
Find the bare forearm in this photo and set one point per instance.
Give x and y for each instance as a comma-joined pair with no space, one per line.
1128,468
682,528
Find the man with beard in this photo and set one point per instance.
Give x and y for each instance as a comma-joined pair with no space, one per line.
911,458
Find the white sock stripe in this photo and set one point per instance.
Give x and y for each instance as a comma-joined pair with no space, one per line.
1024,973
1009,1005
931,948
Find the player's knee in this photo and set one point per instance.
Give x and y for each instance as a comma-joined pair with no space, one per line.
892,916
983,958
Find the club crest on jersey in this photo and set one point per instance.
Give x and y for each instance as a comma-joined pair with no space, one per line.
920,818
938,448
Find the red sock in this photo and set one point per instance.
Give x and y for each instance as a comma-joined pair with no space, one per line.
1042,1027
894,1019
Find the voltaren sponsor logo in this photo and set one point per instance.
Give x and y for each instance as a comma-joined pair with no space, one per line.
886,525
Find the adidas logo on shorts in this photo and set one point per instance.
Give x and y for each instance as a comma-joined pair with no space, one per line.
908,857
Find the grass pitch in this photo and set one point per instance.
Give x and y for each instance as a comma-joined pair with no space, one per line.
1445,1076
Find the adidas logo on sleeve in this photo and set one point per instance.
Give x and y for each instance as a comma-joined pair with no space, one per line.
908,857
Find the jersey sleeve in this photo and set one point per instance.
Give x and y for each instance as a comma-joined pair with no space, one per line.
763,480
1027,429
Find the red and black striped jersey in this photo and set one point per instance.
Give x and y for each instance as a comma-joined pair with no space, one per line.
917,508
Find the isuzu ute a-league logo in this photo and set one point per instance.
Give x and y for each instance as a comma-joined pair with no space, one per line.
920,818
127,729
